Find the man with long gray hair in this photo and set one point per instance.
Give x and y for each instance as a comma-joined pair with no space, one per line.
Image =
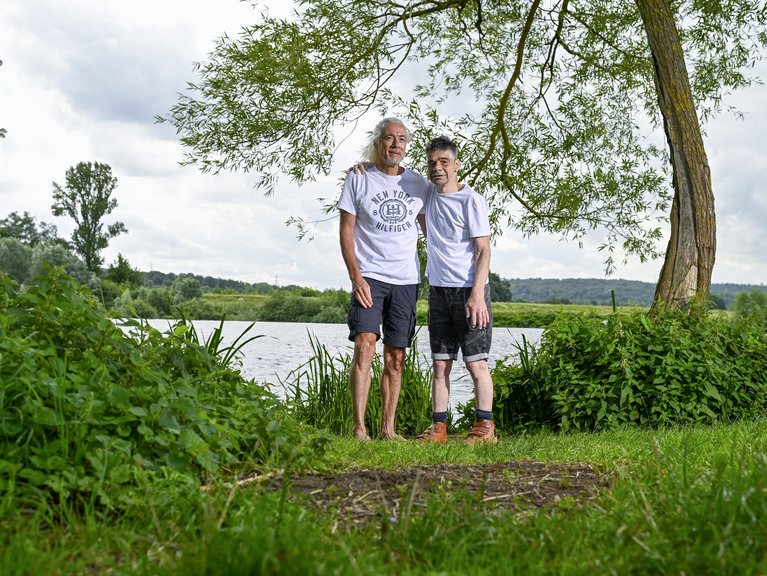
380,211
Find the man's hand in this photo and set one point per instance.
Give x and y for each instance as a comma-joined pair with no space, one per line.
361,291
359,167
476,311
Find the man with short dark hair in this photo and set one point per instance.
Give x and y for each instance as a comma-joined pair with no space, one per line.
460,313
380,208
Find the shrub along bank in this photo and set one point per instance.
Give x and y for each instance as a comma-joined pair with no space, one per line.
672,368
89,411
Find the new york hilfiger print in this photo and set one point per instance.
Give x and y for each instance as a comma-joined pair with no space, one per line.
395,210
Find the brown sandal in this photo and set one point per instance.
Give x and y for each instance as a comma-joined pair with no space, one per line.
483,432
437,433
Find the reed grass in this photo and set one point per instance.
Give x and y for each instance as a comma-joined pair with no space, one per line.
317,392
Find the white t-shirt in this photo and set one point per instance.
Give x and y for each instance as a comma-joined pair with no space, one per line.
453,220
386,230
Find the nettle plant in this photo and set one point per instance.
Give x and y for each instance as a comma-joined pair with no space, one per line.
88,410
668,368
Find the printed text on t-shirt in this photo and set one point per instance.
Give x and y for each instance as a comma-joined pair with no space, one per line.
392,209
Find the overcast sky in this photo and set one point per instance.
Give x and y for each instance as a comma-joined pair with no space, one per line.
83,80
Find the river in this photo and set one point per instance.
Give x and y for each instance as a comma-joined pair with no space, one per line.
284,346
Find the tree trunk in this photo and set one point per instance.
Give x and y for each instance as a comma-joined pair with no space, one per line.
691,249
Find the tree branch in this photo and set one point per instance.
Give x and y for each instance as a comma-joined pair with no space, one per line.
500,127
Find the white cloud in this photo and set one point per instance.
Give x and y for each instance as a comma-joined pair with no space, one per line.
83,81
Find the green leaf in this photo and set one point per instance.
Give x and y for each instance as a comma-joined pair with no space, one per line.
45,416
712,392
168,421
119,396
139,411
190,440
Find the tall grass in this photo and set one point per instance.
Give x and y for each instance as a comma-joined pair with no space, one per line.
318,392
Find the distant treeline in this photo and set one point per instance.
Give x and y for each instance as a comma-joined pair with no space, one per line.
588,291
596,291
208,283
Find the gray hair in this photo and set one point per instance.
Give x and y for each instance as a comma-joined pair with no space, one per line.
369,152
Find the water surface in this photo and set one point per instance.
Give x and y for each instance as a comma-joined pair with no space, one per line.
284,346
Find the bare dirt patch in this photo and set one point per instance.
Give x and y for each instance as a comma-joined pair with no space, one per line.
362,496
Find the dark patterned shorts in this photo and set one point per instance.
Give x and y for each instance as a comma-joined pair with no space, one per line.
449,328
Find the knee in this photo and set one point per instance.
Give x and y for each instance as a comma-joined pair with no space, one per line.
365,347
441,368
478,370
394,361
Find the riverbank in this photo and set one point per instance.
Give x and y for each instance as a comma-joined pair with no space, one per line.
149,453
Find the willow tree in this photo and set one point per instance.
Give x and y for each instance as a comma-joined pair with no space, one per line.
558,106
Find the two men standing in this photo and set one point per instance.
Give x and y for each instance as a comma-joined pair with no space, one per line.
379,210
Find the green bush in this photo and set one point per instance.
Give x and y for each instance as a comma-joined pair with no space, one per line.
87,410
199,309
142,302
594,373
15,259
752,305
331,315
282,307
109,291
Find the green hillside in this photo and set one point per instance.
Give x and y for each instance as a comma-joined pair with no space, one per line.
597,291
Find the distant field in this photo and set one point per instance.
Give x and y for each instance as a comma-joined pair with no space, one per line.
501,308
525,315
505,314
254,299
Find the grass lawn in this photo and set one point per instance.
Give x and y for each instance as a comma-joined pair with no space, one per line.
674,501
